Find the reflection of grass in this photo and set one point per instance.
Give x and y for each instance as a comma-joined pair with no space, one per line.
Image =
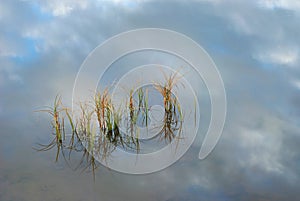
143,106
58,126
89,159
87,136
102,104
173,117
108,118
139,111
96,132
74,136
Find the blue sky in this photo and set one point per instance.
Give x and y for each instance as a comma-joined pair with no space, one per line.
255,45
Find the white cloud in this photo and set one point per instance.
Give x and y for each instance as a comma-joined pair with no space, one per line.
263,144
63,8
288,56
66,7
283,4
270,37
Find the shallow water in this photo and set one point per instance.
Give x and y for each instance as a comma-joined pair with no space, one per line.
26,174
255,45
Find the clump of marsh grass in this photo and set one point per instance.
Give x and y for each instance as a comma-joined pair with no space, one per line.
138,110
143,105
102,108
173,118
102,105
108,118
58,127
132,114
97,131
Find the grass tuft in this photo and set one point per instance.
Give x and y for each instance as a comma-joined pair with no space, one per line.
96,132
